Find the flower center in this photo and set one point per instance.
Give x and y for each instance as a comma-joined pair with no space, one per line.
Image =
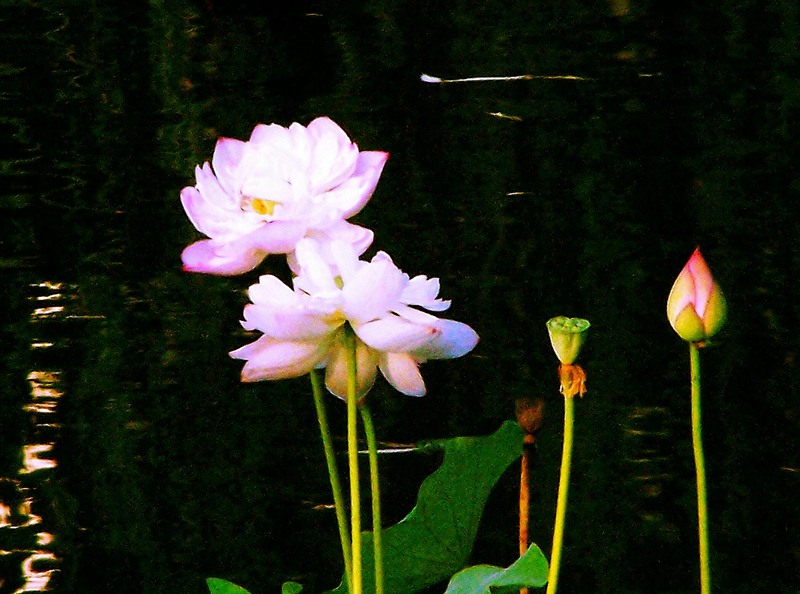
259,205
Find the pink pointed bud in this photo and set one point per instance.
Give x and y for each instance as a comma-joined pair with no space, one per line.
696,306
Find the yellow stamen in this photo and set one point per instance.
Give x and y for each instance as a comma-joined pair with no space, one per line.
263,207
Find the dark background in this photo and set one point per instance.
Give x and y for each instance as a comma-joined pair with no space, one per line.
680,131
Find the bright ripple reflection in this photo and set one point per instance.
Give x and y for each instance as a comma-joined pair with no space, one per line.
33,460
20,496
37,579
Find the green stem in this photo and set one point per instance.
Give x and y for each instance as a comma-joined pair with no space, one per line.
372,446
352,458
563,488
700,471
333,473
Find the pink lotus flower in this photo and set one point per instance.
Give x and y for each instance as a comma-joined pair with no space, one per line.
696,307
263,196
303,327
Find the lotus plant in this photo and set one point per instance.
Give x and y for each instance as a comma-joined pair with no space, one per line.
697,310
264,195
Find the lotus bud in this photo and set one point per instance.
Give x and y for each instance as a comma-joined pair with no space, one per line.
567,335
696,307
530,414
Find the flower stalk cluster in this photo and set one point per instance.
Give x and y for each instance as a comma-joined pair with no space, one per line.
345,319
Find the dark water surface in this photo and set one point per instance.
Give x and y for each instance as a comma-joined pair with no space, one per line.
133,460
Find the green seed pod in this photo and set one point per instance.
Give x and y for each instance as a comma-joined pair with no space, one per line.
567,336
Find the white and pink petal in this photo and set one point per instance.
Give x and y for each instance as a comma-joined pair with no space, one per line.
395,335
212,191
269,188
453,339
273,135
210,257
316,273
270,359
291,323
277,237
350,196
339,250
207,217
373,291
336,368
271,291
227,160
333,155
401,370
423,291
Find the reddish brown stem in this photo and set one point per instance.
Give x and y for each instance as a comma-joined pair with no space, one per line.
525,497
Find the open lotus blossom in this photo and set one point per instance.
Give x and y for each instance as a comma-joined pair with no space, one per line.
304,327
262,196
696,307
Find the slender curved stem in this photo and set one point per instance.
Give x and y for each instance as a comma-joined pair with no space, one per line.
563,488
333,473
700,471
352,459
375,490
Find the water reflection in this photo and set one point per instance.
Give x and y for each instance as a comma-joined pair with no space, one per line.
21,533
23,542
33,460
45,390
41,313
649,437
37,570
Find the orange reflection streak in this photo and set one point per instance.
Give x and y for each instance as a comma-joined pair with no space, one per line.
43,377
40,407
48,285
43,384
41,345
47,312
36,581
44,391
31,460
6,521
51,297
5,514
24,510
